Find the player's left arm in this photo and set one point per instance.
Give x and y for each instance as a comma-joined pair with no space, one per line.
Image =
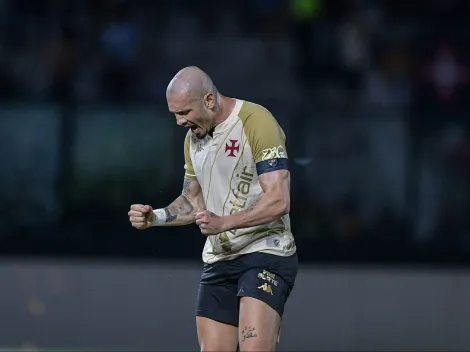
273,204
267,142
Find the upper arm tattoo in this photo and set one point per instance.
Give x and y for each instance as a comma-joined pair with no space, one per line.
186,184
192,190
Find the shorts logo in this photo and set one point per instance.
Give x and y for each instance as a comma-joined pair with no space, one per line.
269,277
266,288
274,153
232,148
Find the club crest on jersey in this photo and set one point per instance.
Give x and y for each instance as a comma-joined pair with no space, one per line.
233,147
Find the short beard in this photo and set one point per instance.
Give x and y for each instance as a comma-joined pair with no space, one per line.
210,133
198,136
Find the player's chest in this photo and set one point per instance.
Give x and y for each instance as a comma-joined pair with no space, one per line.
218,153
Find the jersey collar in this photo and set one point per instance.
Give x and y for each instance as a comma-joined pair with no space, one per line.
229,121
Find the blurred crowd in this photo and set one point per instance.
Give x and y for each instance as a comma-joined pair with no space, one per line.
120,50
369,58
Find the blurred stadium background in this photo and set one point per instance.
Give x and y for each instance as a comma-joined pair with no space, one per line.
374,98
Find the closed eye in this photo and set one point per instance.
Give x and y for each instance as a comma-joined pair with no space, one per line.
182,113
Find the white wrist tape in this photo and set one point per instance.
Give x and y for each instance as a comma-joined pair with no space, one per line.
160,217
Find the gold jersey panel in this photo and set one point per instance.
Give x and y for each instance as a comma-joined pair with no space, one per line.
225,167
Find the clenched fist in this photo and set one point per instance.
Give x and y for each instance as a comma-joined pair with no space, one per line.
209,223
141,216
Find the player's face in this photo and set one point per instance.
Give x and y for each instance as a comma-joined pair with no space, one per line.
194,114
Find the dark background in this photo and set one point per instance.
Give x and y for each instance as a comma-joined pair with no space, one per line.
373,96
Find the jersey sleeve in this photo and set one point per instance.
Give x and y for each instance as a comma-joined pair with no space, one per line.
267,141
188,164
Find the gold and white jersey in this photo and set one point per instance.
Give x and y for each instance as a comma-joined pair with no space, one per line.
227,165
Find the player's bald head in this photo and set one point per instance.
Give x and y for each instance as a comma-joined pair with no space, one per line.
193,98
191,82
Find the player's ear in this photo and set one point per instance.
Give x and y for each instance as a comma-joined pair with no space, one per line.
209,101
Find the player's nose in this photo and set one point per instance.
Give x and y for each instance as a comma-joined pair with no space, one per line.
181,121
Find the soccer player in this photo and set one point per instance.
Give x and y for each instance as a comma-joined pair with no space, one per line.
237,190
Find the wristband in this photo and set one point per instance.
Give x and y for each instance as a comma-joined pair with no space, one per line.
160,217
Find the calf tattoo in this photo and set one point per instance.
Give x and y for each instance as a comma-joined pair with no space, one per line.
249,332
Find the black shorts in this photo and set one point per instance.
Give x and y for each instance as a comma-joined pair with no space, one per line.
269,278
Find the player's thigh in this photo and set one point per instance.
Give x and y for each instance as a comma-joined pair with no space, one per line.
259,326
264,289
263,296
217,317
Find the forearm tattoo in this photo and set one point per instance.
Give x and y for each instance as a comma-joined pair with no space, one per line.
169,217
180,207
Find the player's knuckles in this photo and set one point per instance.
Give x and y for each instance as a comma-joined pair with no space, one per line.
201,221
136,212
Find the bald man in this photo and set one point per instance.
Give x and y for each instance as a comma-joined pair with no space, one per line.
236,189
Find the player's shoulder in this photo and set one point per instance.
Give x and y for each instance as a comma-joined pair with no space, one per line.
190,138
255,116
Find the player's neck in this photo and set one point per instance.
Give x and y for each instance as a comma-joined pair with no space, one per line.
226,106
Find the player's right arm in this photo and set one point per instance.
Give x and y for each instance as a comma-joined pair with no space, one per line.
180,212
